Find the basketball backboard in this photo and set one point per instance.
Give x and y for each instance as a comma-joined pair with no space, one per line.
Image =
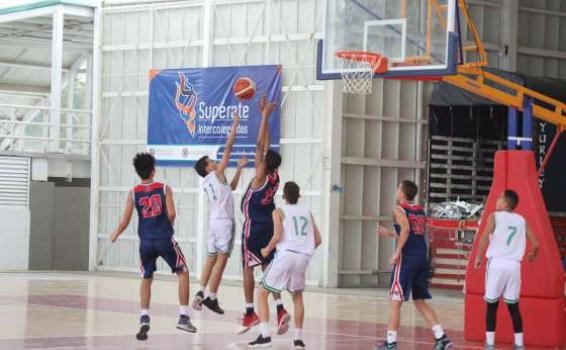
420,38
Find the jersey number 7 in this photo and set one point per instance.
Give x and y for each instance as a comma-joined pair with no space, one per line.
512,232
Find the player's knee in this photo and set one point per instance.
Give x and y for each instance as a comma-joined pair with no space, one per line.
396,304
263,293
297,297
183,274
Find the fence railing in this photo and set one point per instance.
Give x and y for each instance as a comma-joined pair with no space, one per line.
40,129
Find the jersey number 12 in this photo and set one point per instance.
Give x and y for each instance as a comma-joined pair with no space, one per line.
304,221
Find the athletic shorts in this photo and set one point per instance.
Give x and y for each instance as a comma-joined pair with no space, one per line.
255,237
168,249
502,279
287,271
220,236
410,277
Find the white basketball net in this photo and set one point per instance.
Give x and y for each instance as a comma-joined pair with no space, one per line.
357,73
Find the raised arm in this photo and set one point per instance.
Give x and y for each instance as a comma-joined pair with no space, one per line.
403,222
241,164
317,238
277,232
170,203
262,144
126,217
534,244
228,148
484,240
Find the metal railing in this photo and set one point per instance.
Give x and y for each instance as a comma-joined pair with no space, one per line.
40,129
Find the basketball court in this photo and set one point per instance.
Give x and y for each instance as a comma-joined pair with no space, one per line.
353,101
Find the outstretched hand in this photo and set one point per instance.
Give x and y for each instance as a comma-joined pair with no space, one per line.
265,107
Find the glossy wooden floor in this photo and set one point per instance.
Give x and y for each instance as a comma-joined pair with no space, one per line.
86,311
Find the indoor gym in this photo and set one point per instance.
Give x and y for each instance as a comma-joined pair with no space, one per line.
465,98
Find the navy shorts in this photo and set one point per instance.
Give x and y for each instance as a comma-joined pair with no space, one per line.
255,237
410,277
168,249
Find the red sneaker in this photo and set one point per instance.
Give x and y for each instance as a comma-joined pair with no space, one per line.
248,322
283,319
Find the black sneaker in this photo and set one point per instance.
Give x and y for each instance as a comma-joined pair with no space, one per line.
387,346
185,324
260,342
197,301
299,345
212,305
144,328
443,343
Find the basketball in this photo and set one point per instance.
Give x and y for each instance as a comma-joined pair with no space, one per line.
244,88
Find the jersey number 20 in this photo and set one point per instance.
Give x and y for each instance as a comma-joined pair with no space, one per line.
151,206
304,222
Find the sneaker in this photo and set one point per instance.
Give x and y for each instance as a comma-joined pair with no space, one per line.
387,346
185,324
144,328
299,345
260,342
212,305
443,343
197,301
248,322
283,319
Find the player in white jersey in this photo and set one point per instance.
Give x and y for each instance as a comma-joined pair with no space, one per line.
221,221
507,233
296,237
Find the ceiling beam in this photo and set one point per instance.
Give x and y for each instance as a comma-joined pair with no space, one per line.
24,90
20,15
43,44
28,65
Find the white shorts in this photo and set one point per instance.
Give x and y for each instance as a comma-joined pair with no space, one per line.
288,270
220,236
502,278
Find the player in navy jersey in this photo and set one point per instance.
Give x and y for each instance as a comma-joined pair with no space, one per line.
154,204
258,206
411,266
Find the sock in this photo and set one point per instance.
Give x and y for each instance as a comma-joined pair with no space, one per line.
265,329
391,337
184,310
519,339
438,331
249,308
279,304
298,334
490,338
201,289
144,312
212,296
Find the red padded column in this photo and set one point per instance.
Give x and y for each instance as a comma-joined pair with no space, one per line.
542,291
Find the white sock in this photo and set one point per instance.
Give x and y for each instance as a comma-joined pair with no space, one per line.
490,338
519,339
391,336
201,289
249,305
184,310
298,334
144,312
278,302
265,329
438,331
212,296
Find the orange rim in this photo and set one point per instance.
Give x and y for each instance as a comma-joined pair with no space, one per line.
380,62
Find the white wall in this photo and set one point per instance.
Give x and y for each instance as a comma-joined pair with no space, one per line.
14,235
136,38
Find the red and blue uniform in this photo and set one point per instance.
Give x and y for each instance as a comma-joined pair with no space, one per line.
411,273
155,230
258,206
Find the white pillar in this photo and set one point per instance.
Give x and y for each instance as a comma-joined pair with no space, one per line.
332,170
508,33
56,71
95,125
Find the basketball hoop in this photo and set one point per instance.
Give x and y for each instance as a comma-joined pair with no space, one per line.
358,68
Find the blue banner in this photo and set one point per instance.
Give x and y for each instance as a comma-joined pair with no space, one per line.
190,112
